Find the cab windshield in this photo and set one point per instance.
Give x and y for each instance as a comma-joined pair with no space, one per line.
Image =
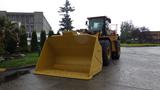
96,24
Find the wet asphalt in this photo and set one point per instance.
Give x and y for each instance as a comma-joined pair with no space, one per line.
137,69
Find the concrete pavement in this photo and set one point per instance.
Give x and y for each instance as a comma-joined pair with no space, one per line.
138,69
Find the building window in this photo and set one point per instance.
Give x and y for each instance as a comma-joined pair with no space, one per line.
29,34
27,20
31,21
32,28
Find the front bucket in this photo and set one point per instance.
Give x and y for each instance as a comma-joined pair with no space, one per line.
70,55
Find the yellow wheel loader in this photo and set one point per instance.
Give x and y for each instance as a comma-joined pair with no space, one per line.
80,55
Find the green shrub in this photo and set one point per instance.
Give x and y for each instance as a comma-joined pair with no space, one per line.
10,42
23,41
1,50
1,47
50,33
42,38
34,42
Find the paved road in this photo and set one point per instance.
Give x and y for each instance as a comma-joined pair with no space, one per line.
138,69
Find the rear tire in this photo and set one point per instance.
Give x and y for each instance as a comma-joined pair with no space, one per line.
116,55
106,52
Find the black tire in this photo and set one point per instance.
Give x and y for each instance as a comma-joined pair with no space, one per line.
106,52
116,55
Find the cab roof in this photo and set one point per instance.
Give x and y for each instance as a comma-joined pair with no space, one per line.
104,17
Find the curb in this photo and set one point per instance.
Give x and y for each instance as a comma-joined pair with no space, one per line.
13,72
17,68
3,69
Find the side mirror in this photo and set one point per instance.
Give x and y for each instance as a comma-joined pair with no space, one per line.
86,23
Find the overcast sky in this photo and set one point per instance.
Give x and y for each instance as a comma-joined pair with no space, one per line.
141,12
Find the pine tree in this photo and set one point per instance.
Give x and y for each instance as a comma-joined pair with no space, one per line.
50,33
66,22
43,38
34,42
23,40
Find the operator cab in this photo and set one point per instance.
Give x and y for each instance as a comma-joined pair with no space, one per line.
99,24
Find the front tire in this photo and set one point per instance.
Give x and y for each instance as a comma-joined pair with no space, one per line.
106,52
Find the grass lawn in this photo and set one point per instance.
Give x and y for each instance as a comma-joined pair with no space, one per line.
139,45
29,59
